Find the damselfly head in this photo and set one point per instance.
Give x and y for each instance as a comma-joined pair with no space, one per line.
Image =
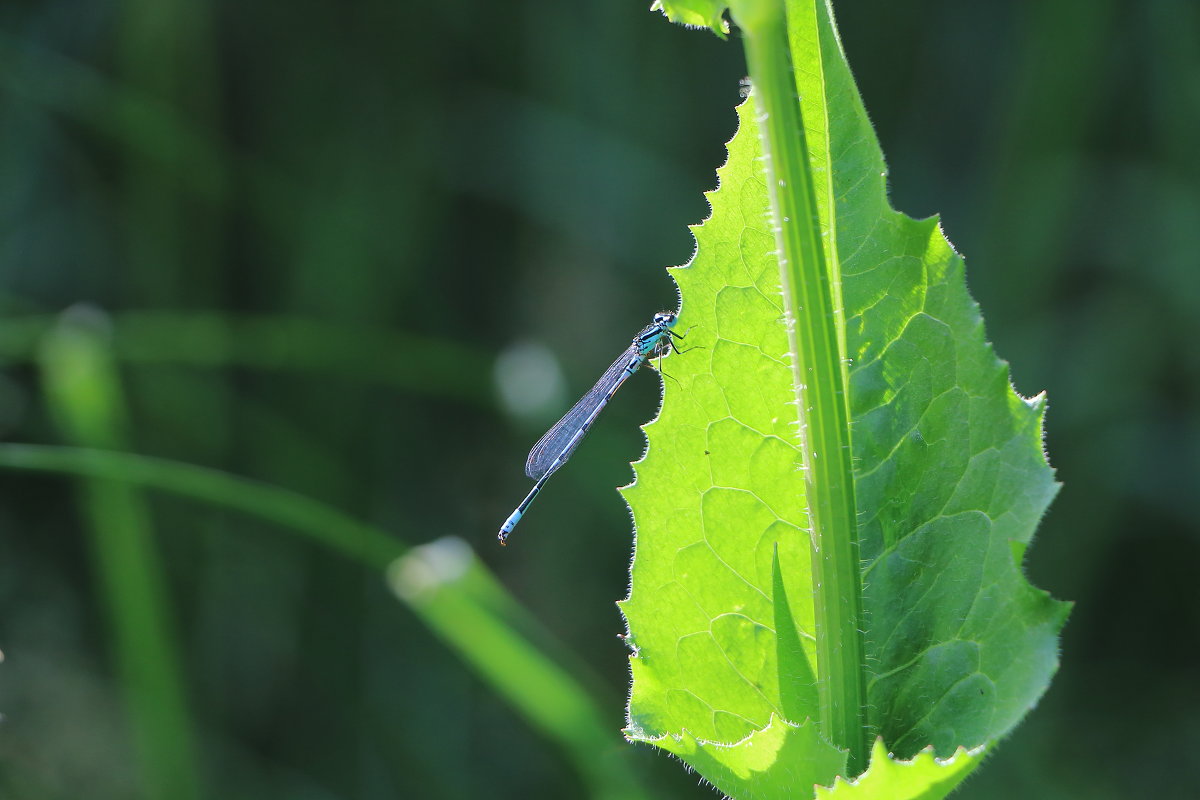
665,319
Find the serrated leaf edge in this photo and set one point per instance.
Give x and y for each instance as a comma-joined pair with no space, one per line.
683,734
879,753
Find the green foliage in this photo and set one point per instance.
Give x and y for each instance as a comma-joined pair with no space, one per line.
922,778
949,476
277,343
84,393
698,13
443,583
310,245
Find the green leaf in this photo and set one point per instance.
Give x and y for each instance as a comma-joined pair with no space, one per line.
696,13
923,778
773,762
948,470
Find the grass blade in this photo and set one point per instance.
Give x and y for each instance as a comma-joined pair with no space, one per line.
84,394
444,584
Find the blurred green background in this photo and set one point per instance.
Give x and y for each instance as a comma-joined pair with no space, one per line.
367,252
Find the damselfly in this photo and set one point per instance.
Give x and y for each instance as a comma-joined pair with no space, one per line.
557,445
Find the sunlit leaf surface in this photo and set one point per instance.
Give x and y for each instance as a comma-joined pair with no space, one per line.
950,479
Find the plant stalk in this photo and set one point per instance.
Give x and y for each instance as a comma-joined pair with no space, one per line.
819,379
